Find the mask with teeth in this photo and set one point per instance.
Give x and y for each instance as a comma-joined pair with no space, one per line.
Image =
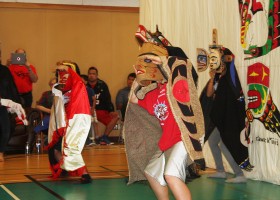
147,70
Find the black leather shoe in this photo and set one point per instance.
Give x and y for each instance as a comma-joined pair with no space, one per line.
86,179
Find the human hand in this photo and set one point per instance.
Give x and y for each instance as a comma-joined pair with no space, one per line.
27,64
62,67
94,117
212,74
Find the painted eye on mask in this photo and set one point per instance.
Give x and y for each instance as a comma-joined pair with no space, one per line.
147,60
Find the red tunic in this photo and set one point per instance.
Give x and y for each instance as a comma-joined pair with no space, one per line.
21,77
156,103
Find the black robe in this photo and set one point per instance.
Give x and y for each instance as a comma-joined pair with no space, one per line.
227,112
8,90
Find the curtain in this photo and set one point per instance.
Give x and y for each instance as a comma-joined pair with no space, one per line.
188,24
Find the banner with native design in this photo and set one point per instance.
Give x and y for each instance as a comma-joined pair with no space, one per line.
250,29
248,10
259,38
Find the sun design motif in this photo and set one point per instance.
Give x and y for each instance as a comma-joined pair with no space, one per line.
160,110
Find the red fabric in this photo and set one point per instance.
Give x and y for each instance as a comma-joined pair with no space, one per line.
21,77
78,96
156,103
18,121
57,134
56,170
103,116
78,172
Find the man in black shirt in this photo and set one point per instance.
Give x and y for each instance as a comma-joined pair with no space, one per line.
104,106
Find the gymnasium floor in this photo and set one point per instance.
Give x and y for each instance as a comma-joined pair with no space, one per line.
27,178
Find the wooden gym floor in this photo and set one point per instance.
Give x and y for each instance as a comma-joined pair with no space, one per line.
28,178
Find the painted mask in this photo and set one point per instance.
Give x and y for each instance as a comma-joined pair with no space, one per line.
214,59
146,70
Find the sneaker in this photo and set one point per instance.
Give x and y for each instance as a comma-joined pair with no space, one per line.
100,141
237,179
91,144
106,139
86,179
218,175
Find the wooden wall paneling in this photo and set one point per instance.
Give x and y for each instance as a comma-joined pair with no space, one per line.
89,35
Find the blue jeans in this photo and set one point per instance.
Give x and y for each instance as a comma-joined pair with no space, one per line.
217,148
43,125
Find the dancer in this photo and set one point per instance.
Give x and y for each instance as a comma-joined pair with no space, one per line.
166,90
224,110
69,124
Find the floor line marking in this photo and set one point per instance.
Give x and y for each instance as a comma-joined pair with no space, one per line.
120,174
9,192
44,187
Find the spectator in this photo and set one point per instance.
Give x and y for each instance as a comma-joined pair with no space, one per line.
44,104
92,101
24,76
122,95
104,107
8,99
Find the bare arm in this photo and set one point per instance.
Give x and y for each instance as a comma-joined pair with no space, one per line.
210,85
93,105
43,109
32,75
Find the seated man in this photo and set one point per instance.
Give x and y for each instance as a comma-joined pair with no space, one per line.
104,107
122,96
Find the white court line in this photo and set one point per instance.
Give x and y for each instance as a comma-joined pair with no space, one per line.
9,192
